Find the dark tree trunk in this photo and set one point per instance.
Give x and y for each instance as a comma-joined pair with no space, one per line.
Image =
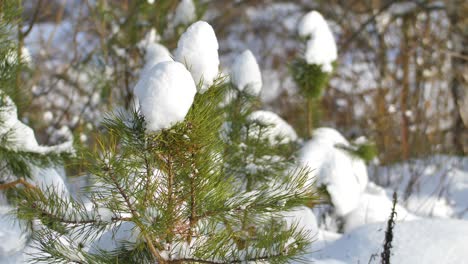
456,12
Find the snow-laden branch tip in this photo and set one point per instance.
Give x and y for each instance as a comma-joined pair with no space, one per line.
185,13
245,74
198,50
155,53
165,94
321,47
278,130
19,136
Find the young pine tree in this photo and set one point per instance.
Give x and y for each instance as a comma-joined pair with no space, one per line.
313,69
187,178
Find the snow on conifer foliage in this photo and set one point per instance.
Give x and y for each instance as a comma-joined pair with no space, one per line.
344,176
277,131
198,50
165,94
19,136
185,12
321,47
155,53
245,74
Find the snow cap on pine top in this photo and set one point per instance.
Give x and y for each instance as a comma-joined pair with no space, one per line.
321,47
245,74
151,36
155,53
198,50
185,12
165,94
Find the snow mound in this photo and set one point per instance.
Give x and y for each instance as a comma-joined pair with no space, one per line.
165,94
374,206
245,74
420,241
303,218
185,13
436,186
344,176
321,47
278,131
155,53
198,50
12,233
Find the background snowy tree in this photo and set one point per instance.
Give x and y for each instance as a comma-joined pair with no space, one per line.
312,70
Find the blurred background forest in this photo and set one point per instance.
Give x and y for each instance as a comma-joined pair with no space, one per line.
401,78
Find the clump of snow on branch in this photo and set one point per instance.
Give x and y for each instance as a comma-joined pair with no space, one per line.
277,131
246,75
198,50
151,36
344,175
155,53
165,94
321,47
19,136
185,13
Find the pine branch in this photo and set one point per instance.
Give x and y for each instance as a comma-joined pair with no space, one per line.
136,217
13,184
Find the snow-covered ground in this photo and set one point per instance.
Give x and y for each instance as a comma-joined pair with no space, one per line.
431,213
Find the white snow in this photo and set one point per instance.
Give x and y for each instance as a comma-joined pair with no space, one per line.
122,235
374,206
19,136
433,187
420,241
48,116
12,233
303,218
185,13
166,94
344,176
155,53
198,50
278,130
321,47
49,179
245,74
151,37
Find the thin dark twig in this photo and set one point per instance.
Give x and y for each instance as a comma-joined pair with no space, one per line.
386,253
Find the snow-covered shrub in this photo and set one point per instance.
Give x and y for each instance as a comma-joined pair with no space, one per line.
343,175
